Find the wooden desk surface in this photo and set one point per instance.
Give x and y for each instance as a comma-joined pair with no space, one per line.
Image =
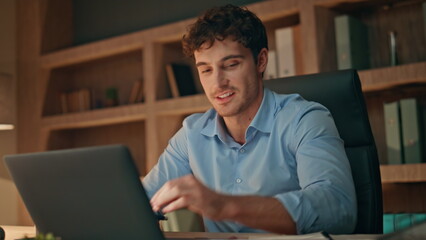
208,235
17,232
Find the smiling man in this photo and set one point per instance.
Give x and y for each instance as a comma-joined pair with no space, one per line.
257,161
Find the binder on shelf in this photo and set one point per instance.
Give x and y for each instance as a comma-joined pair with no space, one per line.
424,17
411,130
271,70
422,107
181,79
351,43
402,221
393,133
288,51
393,222
418,217
388,223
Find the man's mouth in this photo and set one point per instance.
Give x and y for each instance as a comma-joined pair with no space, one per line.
225,95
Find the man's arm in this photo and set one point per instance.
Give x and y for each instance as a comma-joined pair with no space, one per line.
259,212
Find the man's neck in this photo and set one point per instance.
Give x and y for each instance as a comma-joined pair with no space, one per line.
237,127
238,124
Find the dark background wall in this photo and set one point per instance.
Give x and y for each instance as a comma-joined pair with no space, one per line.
99,19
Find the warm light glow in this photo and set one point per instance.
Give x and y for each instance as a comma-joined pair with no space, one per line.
6,127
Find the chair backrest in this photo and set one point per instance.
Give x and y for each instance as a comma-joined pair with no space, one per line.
341,93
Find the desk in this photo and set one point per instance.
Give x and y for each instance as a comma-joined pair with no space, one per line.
254,236
207,235
16,232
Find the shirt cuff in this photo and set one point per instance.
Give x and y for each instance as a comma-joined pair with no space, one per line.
300,210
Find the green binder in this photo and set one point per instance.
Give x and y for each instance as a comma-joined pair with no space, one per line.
402,220
424,17
388,223
418,218
351,43
393,133
411,130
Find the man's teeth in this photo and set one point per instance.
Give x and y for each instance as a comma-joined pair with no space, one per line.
225,95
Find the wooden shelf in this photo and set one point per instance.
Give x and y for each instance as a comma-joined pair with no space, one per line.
133,41
126,113
388,77
98,117
404,173
183,105
95,50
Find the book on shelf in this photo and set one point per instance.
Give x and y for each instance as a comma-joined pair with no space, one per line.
288,51
352,43
181,79
393,133
411,130
140,96
136,93
75,101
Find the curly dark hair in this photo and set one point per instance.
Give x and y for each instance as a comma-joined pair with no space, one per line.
218,23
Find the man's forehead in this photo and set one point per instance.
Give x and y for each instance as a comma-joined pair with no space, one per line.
229,47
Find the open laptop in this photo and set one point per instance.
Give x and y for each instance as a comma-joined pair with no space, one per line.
85,193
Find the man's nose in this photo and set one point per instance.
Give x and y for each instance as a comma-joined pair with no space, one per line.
221,79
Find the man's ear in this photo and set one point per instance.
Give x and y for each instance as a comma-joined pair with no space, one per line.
262,60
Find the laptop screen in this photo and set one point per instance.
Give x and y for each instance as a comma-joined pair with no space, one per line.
85,193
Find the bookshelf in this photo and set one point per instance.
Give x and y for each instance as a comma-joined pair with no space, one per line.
49,64
407,173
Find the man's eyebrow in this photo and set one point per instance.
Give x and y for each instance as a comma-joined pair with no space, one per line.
222,60
200,64
231,56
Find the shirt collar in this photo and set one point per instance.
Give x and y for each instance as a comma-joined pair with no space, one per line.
263,120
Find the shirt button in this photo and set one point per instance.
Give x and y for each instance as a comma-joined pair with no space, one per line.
238,180
242,150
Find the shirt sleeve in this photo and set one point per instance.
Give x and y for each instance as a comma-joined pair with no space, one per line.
173,163
326,200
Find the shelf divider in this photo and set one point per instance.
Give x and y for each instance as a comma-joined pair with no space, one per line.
403,173
388,77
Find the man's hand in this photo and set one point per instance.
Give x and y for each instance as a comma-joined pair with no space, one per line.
265,213
188,192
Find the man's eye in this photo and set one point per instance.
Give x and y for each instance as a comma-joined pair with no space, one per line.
205,70
231,65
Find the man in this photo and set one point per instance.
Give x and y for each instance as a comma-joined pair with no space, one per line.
258,161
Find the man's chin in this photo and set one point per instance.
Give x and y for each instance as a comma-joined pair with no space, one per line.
223,113
226,110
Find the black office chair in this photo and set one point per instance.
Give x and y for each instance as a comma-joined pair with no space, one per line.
341,93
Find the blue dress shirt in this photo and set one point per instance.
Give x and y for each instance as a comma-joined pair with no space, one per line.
292,152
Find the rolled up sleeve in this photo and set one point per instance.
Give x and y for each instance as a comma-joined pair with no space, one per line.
326,200
173,163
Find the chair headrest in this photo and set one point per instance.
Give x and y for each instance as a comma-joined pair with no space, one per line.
338,91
